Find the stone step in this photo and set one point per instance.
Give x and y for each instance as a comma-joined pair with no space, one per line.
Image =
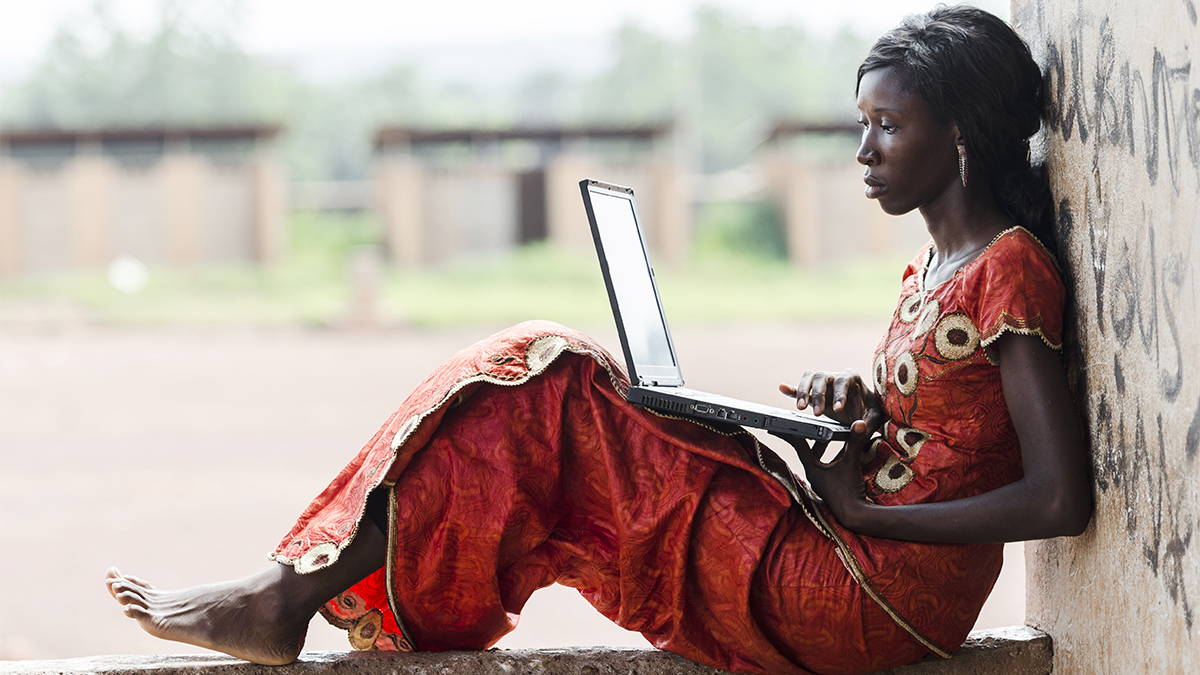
1017,650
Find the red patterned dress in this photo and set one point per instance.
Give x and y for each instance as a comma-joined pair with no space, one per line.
518,464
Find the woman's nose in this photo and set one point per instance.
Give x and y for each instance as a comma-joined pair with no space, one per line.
867,155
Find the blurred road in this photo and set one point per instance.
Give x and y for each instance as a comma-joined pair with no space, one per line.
183,455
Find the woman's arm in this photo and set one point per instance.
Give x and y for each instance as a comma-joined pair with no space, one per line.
1052,499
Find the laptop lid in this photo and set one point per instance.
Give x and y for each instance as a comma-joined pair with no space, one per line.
629,277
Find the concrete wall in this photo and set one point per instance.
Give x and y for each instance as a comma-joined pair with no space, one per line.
826,217
662,203
1123,146
179,209
432,215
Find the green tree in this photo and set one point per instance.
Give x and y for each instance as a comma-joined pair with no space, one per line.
96,73
643,84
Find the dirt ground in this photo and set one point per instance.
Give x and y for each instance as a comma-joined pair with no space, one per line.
184,455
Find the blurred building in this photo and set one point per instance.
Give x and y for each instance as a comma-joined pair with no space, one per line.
816,183
171,196
444,194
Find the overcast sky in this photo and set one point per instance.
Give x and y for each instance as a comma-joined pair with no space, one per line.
465,39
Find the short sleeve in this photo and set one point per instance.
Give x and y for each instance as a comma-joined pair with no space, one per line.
1023,291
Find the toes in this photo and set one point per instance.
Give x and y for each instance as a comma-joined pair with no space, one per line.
129,595
136,612
141,582
114,574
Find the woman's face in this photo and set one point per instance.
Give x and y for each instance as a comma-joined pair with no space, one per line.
910,155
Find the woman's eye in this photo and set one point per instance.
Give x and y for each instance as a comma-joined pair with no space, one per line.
888,128
863,123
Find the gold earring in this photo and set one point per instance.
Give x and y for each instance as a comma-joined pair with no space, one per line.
962,164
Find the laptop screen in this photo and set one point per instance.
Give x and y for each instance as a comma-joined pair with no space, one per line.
630,273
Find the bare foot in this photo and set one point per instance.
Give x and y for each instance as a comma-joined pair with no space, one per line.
252,618
262,618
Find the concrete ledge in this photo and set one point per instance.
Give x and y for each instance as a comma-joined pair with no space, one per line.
1018,650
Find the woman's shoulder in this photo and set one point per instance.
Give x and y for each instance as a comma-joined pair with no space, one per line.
1017,243
1017,287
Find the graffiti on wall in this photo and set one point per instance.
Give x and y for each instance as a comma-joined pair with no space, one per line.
1124,135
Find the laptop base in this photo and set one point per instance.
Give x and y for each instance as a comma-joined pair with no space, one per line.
705,406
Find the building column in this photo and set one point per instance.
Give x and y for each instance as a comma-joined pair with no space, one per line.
400,201
566,221
670,211
183,183
794,186
270,210
91,179
10,218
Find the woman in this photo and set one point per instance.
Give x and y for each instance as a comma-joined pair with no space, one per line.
518,463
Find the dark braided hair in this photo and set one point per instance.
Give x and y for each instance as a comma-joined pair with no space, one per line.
972,69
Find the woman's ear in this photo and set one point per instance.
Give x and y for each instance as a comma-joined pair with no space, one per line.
958,137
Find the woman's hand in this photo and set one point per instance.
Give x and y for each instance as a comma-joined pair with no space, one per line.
842,396
847,399
839,482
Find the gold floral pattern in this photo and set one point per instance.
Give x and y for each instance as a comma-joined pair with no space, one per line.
911,440
366,630
880,372
929,316
956,337
542,351
318,557
909,307
893,475
905,373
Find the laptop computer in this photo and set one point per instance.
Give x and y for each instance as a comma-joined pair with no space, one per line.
654,372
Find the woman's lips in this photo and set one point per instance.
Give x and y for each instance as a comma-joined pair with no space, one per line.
875,187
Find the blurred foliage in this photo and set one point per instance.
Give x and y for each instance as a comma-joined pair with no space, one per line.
95,72
742,228
537,281
727,83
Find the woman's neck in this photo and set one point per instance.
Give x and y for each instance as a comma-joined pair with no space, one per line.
962,224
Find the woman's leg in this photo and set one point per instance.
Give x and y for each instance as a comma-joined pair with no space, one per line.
262,618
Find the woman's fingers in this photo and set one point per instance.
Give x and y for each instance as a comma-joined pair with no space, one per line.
830,394
859,432
841,387
818,392
847,386
803,393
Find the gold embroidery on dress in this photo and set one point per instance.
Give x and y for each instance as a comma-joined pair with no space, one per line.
366,629
1011,324
904,374
542,351
880,373
911,440
910,307
893,475
318,557
928,317
956,337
